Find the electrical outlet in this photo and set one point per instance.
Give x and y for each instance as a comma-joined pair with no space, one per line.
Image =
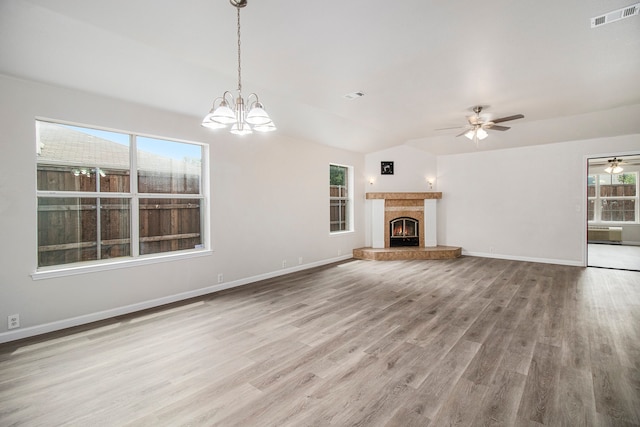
339,252
299,260
284,263
220,278
13,321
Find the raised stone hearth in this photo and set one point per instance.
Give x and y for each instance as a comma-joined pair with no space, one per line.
407,253
414,207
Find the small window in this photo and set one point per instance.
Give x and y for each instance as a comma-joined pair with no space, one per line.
340,198
88,209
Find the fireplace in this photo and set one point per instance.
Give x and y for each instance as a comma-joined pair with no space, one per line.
404,226
417,212
404,231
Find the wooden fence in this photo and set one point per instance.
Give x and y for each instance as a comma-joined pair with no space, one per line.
615,190
74,229
338,209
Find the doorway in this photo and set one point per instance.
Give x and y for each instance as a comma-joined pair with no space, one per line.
613,212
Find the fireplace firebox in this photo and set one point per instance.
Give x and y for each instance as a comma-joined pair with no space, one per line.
404,231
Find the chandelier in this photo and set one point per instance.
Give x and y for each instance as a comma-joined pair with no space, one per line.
244,117
614,166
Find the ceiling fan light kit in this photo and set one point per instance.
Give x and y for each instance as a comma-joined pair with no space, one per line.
477,128
614,166
229,110
478,133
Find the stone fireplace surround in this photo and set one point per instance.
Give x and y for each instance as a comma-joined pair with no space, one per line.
420,206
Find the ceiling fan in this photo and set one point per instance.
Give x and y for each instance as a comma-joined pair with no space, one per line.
477,128
614,165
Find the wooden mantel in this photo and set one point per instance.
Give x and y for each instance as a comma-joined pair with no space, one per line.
405,196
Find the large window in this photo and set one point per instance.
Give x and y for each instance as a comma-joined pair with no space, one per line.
105,195
340,198
613,198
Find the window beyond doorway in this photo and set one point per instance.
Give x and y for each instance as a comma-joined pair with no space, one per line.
613,198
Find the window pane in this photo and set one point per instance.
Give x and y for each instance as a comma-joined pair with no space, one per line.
72,158
115,228
591,186
169,225
622,210
68,229
627,182
338,215
618,185
114,180
168,167
337,175
338,181
338,191
591,210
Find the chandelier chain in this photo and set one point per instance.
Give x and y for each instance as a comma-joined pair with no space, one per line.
232,110
239,67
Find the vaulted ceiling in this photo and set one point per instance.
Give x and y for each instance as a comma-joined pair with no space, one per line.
422,64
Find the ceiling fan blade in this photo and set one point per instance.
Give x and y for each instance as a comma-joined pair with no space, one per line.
455,127
496,127
506,119
465,131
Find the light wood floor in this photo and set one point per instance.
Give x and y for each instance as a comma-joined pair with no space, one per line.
469,341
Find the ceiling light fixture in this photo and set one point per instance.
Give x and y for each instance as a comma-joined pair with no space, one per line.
229,110
477,133
614,166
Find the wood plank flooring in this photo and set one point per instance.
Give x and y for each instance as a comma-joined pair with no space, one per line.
468,341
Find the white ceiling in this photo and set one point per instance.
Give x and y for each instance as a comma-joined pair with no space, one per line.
422,64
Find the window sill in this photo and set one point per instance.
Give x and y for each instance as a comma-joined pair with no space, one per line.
612,223
339,233
92,267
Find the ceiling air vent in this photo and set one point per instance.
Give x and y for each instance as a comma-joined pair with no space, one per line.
615,15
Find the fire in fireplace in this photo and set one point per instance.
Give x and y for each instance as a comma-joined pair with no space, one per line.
404,232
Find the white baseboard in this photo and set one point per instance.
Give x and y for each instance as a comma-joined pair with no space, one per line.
31,331
528,259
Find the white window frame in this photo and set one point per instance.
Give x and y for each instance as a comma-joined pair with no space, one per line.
348,199
597,199
62,270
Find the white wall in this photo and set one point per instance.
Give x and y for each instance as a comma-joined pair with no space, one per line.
523,203
269,197
412,168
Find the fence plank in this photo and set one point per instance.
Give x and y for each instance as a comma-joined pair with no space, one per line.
83,245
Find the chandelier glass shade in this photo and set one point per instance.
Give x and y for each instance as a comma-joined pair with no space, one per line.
244,117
